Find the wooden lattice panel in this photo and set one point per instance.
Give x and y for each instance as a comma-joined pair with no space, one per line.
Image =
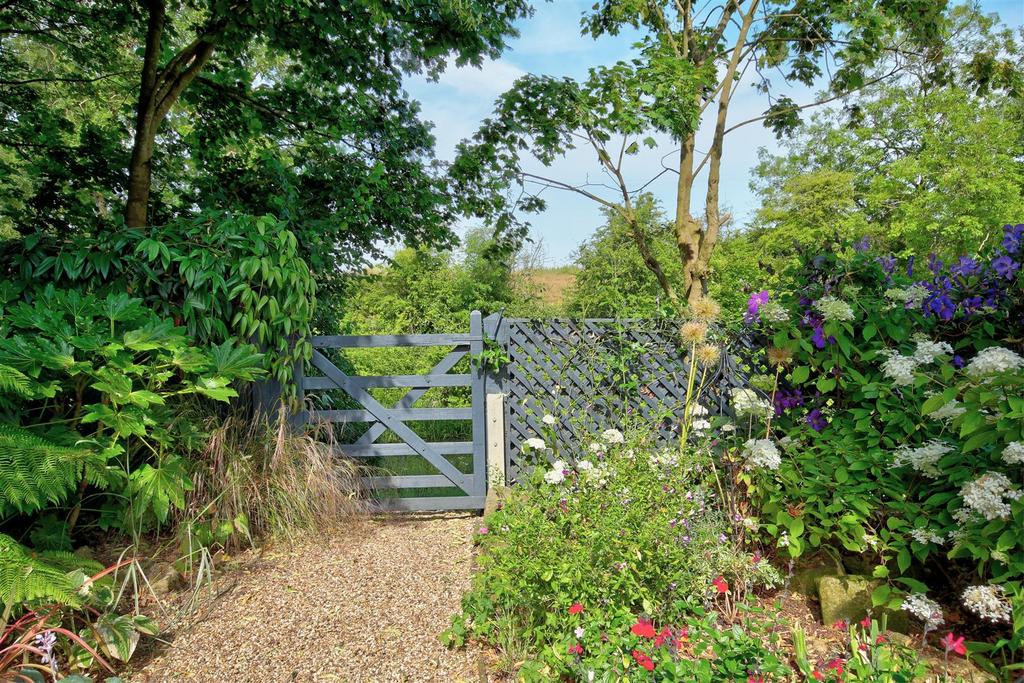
596,374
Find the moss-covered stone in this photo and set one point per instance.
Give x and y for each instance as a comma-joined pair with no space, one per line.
805,579
849,598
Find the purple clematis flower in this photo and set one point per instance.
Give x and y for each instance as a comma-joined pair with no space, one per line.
816,420
940,305
754,304
965,267
818,337
1005,266
862,245
1013,237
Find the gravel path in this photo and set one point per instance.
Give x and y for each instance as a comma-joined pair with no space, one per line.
364,604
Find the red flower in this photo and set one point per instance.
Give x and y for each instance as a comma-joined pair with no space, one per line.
720,585
755,679
879,640
840,625
836,664
643,660
954,643
866,622
863,647
575,608
818,675
644,629
666,634
576,649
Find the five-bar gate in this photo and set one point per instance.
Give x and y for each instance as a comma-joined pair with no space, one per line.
442,472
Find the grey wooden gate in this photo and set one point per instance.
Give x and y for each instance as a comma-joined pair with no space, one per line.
592,374
472,485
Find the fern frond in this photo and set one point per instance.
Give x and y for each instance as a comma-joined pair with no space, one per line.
13,381
36,472
27,576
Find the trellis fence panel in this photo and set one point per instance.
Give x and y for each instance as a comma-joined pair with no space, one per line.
592,374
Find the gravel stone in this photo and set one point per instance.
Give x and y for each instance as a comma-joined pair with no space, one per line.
365,603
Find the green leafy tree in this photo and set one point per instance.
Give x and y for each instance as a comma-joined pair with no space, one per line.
689,61
919,166
284,108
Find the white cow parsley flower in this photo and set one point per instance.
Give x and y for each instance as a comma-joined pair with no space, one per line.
923,608
762,453
1013,454
988,602
923,458
992,360
989,495
832,308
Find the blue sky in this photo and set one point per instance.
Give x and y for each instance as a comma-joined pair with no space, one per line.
550,44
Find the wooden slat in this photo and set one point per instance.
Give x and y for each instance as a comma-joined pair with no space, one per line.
387,450
368,341
387,381
421,504
403,415
420,481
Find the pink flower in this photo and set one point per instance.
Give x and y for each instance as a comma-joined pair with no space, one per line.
644,629
575,608
755,679
840,625
482,530
720,584
576,649
954,643
643,660
866,622
664,635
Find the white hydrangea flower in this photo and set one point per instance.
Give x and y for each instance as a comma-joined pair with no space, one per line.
548,419
832,308
597,447
584,465
1013,454
535,443
923,608
922,458
989,495
925,536
992,360
556,475
747,402
950,411
762,453
728,427
773,312
988,602
911,296
927,351
900,369
613,436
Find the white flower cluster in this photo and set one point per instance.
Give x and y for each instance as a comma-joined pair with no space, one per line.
667,457
988,602
761,453
992,360
832,308
747,402
1013,454
613,436
923,458
989,495
900,369
535,444
549,419
927,351
923,608
911,296
594,474
951,410
597,447
925,536
556,475
773,312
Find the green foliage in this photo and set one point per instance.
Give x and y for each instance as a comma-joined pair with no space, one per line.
28,576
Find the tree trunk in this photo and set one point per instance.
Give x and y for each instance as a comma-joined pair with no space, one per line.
140,168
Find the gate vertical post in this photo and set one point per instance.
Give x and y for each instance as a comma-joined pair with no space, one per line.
479,397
